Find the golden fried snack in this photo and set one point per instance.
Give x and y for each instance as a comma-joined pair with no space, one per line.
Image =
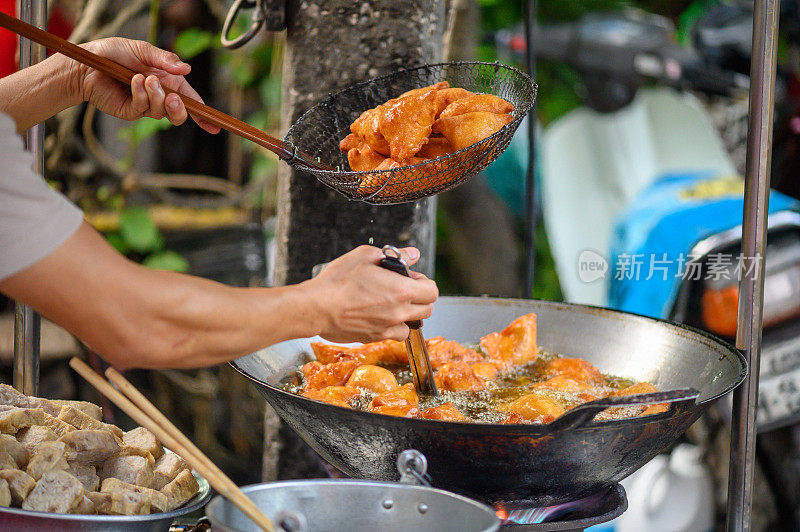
560,383
406,123
443,351
364,158
375,183
535,408
467,129
443,412
477,103
458,377
373,378
576,369
335,395
327,353
400,402
445,97
350,141
435,86
366,128
435,147
485,370
644,387
513,346
318,376
386,351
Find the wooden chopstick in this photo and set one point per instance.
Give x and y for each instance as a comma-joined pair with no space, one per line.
155,414
169,436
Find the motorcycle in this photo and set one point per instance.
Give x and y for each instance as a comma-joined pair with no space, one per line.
642,203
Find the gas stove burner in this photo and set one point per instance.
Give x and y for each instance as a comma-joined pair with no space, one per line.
600,507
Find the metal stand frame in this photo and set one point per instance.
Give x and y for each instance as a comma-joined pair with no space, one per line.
531,216
754,240
27,323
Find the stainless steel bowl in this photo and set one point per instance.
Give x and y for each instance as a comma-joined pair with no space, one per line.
20,520
355,506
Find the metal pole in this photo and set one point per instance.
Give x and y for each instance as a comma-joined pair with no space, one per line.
27,323
754,240
530,176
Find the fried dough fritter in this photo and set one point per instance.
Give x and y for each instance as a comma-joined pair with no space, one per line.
435,147
406,123
513,346
364,158
445,97
477,103
467,129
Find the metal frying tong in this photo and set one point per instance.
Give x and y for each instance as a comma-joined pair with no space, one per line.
418,357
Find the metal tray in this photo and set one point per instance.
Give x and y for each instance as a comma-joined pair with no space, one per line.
21,520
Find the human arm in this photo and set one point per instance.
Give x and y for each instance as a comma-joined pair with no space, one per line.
137,317
40,91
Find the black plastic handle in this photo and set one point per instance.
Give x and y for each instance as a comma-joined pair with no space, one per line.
392,261
583,414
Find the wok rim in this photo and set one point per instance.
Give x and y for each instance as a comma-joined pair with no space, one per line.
544,428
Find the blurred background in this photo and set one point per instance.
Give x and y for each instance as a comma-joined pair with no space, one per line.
635,99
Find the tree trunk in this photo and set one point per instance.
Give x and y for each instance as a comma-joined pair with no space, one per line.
332,44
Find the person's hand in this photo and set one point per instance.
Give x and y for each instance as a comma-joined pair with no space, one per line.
358,301
145,96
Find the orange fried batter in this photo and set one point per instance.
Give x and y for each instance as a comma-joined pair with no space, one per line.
458,377
435,86
576,369
386,351
335,395
406,123
364,158
335,374
375,182
367,128
436,147
445,97
560,383
467,129
514,345
442,351
485,370
644,387
444,412
475,103
400,402
327,353
373,378
535,408
349,142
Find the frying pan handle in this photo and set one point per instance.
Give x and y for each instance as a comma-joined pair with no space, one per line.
124,75
393,261
583,414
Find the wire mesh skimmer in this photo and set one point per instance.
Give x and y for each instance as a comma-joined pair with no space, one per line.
312,143
317,133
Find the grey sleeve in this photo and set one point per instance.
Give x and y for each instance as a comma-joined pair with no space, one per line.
34,219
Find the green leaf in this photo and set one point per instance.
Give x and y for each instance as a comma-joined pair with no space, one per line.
139,231
167,260
142,129
117,242
192,42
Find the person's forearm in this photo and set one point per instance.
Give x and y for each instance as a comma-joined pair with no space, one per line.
133,316
38,92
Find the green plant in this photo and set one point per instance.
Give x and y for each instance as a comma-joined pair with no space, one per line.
139,235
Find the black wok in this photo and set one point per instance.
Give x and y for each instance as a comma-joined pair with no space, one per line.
546,464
